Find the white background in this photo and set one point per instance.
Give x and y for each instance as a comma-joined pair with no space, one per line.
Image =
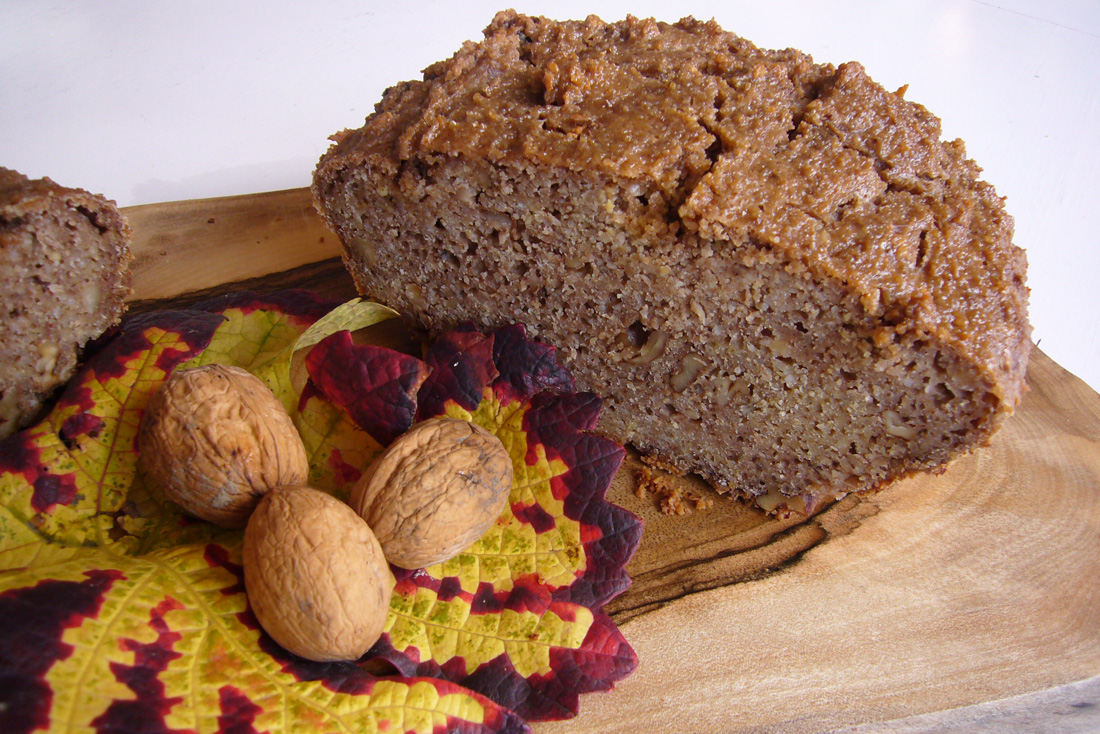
158,101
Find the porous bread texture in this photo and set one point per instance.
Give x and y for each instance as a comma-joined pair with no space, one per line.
774,271
64,257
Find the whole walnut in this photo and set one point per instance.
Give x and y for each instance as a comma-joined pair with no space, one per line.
214,439
434,491
315,575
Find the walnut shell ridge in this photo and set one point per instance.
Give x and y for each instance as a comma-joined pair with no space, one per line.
434,491
214,439
315,575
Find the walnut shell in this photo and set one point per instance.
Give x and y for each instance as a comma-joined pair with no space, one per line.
434,491
215,439
315,575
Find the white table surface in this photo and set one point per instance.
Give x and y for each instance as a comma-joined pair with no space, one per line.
159,101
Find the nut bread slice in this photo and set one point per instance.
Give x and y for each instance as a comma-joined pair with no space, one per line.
774,271
64,257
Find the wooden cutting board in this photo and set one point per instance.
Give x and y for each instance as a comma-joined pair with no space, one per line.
967,601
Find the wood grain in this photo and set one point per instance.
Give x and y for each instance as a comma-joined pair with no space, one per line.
961,602
185,246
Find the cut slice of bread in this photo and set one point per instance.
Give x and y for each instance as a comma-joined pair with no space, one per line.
64,257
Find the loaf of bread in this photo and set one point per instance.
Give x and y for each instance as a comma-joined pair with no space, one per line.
774,271
64,256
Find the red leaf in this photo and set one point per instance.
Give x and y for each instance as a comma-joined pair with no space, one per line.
375,385
462,367
526,367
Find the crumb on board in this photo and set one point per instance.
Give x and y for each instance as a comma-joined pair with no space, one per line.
658,477
657,462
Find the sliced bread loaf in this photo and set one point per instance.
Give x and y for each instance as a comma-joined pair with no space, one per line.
774,271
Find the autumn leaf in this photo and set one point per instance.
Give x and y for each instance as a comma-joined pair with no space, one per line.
462,366
375,385
166,642
352,316
518,616
100,576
